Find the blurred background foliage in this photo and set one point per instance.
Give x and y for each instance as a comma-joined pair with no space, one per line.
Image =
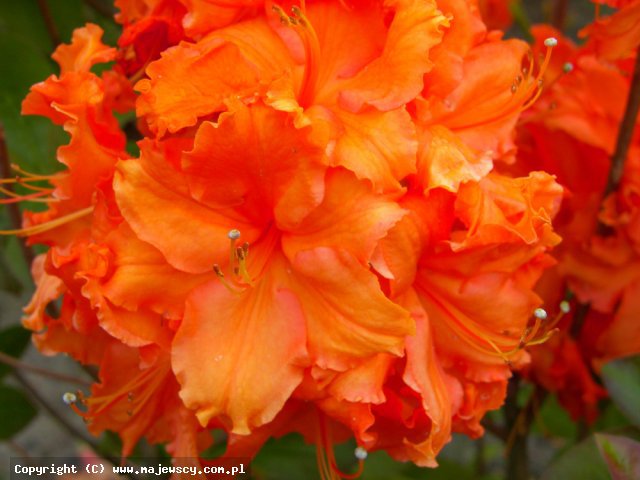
34,420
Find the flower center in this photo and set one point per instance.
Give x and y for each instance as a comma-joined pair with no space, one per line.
238,255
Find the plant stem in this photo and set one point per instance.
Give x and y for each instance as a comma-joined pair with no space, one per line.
519,422
625,134
559,16
52,30
66,425
517,467
19,364
102,8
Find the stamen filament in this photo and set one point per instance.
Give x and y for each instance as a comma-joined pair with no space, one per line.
33,197
44,227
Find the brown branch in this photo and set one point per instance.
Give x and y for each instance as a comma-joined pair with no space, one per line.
66,425
519,422
52,30
14,211
101,8
19,364
625,134
559,16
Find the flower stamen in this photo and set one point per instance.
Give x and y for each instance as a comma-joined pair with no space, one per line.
238,256
46,226
303,27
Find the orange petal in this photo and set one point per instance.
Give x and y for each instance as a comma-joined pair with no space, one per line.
225,356
428,222
141,278
479,297
501,209
190,235
482,110
362,383
48,288
424,374
350,218
346,326
204,16
377,146
242,162
86,49
129,399
615,37
396,77
445,161
231,63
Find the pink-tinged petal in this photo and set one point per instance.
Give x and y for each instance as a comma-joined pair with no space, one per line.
346,325
350,218
224,355
191,236
396,77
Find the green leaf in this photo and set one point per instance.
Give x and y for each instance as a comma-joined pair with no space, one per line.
621,454
553,419
13,341
580,462
15,410
622,379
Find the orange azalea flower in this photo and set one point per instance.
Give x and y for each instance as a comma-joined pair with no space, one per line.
617,36
307,233
577,120
301,67
83,103
496,13
312,239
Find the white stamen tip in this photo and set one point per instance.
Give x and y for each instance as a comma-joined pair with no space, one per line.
360,453
540,313
550,42
69,398
565,307
567,67
233,234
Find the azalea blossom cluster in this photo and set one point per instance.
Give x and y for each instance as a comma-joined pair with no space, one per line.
335,224
573,131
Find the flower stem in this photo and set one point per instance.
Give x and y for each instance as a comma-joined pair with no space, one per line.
63,422
625,134
52,30
559,16
19,364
